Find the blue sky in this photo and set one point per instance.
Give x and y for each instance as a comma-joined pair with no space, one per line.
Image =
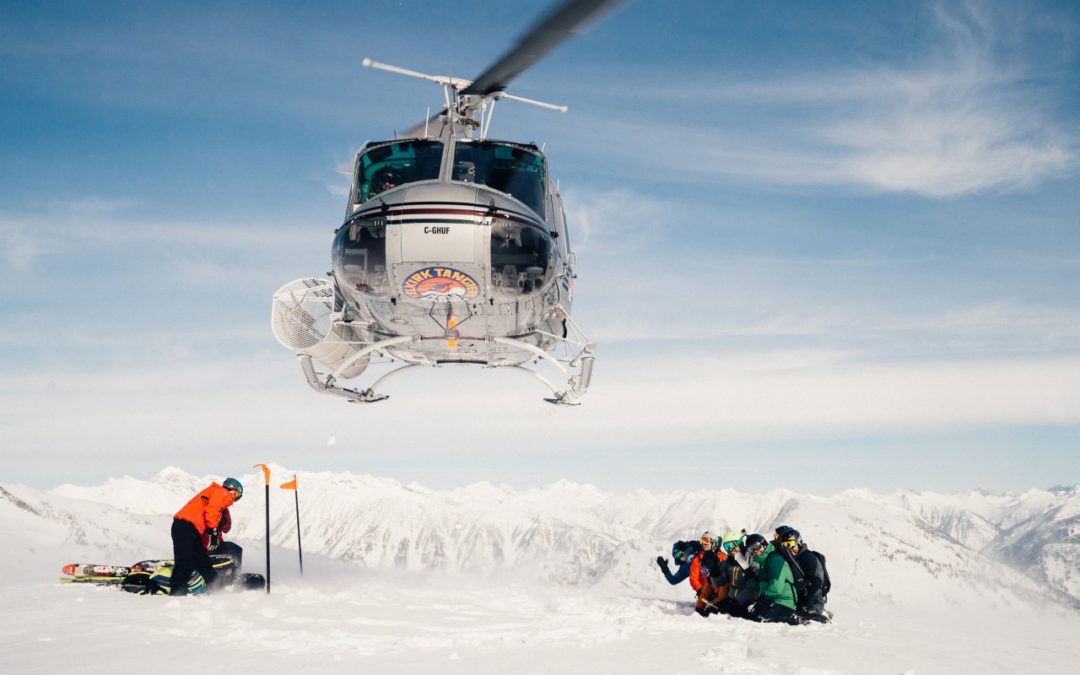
819,246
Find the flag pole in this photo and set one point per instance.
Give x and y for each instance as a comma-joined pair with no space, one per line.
266,481
291,485
299,545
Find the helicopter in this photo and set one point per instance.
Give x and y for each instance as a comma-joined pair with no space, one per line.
454,249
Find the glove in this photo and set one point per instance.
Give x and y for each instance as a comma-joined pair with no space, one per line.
215,538
661,561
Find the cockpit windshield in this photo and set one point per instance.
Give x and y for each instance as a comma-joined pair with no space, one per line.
509,168
387,165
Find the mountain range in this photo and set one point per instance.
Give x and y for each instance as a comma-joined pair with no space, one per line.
906,548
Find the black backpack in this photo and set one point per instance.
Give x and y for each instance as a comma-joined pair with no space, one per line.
800,576
825,571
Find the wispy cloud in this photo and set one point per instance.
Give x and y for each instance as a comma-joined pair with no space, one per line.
634,404
977,112
64,228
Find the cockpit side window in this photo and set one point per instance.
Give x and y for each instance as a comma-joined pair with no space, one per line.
387,165
512,169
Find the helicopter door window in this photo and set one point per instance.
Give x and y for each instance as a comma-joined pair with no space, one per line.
521,258
360,258
387,165
508,168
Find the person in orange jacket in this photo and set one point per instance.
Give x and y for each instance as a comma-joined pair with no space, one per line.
711,590
201,516
697,578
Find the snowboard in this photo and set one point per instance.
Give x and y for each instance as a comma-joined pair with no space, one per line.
144,583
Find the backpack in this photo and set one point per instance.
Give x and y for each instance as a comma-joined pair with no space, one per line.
825,571
800,576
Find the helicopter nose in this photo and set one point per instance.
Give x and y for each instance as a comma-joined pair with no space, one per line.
437,248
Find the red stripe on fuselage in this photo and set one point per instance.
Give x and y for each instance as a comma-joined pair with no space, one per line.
478,213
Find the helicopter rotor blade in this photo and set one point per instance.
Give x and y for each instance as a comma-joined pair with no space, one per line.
553,30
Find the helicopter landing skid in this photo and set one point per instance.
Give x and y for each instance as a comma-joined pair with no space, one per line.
577,384
329,385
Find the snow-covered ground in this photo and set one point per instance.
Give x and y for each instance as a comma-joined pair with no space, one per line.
406,580
340,619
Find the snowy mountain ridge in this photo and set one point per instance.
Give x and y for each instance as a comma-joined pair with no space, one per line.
906,548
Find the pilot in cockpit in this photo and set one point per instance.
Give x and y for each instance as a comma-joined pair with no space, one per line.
384,179
465,171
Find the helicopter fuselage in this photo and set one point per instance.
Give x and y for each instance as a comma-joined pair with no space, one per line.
454,243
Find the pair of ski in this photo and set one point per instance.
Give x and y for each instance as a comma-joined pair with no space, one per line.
91,573
142,577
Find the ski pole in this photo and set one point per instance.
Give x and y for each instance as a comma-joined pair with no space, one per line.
292,485
266,481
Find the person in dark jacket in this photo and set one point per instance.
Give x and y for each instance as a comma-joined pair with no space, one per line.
809,576
733,571
775,582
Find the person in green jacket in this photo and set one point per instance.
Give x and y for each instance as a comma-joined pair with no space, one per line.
775,582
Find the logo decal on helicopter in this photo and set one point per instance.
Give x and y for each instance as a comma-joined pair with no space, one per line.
440,283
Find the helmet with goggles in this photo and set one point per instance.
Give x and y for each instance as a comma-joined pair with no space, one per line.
754,544
790,538
732,540
679,550
235,486
709,541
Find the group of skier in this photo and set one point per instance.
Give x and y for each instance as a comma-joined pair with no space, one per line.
750,577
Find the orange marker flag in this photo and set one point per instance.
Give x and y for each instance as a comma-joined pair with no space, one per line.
291,485
266,472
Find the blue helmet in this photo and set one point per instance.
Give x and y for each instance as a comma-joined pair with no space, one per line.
234,485
679,551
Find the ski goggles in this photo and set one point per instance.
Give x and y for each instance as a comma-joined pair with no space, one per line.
730,546
789,543
756,549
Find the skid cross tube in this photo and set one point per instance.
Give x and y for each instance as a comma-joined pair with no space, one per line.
375,346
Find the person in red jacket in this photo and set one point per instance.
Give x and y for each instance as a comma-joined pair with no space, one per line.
711,590
201,516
